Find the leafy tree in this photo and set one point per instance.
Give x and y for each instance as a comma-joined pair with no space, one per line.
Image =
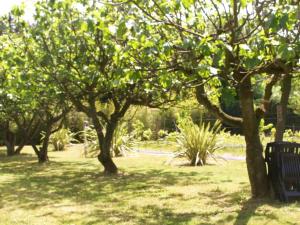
236,43
29,99
17,110
94,54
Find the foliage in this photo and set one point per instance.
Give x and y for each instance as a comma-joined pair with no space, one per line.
162,134
121,144
122,141
138,129
197,142
265,127
91,144
172,136
147,135
75,122
61,138
292,136
238,44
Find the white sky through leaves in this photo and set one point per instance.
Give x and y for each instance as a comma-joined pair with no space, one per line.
6,6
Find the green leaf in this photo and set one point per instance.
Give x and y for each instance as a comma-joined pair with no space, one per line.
187,3
285,52
250,63
121,29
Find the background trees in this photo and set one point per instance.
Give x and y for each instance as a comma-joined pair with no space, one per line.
30,101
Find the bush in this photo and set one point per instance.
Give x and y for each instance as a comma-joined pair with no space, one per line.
162,134
75,122
147,135
122,141
138,129
61,138
197,142
172,136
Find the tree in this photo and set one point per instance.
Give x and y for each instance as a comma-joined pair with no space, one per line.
92,52
29,99
238,43
17,111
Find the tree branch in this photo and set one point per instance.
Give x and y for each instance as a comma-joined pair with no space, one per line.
216,110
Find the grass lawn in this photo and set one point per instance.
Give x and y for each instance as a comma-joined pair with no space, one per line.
164,146
71,190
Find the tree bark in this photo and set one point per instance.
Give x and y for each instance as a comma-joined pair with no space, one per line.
203,99
282,107
19,148
105,142
254,150
105,157
9,140
42,152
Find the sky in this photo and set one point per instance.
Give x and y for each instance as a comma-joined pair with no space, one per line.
6,5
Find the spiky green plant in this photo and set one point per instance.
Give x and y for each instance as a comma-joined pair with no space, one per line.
61,138
197,142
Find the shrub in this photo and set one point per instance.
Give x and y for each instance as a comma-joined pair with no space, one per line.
147,135
197,142
162,134
172,136
138,129
122,141
61,138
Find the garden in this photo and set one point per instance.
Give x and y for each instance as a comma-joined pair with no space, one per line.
149,112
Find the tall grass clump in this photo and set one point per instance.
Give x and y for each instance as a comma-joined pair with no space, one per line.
197,141
61,138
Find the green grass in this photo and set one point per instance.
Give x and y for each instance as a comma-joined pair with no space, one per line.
159,145
165,146
72,190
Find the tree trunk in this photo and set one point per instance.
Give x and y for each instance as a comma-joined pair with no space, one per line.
43,155
282,107
19,148
10,140
10,149
42,152
105,157
105,143
254,150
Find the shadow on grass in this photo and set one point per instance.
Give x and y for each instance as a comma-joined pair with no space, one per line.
32,186
28,185
251,208
79,181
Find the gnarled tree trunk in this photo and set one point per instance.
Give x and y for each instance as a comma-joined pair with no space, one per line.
254,150
42,152
105,142
105,157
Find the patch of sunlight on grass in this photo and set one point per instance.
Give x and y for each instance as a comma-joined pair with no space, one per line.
72,190
159,145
